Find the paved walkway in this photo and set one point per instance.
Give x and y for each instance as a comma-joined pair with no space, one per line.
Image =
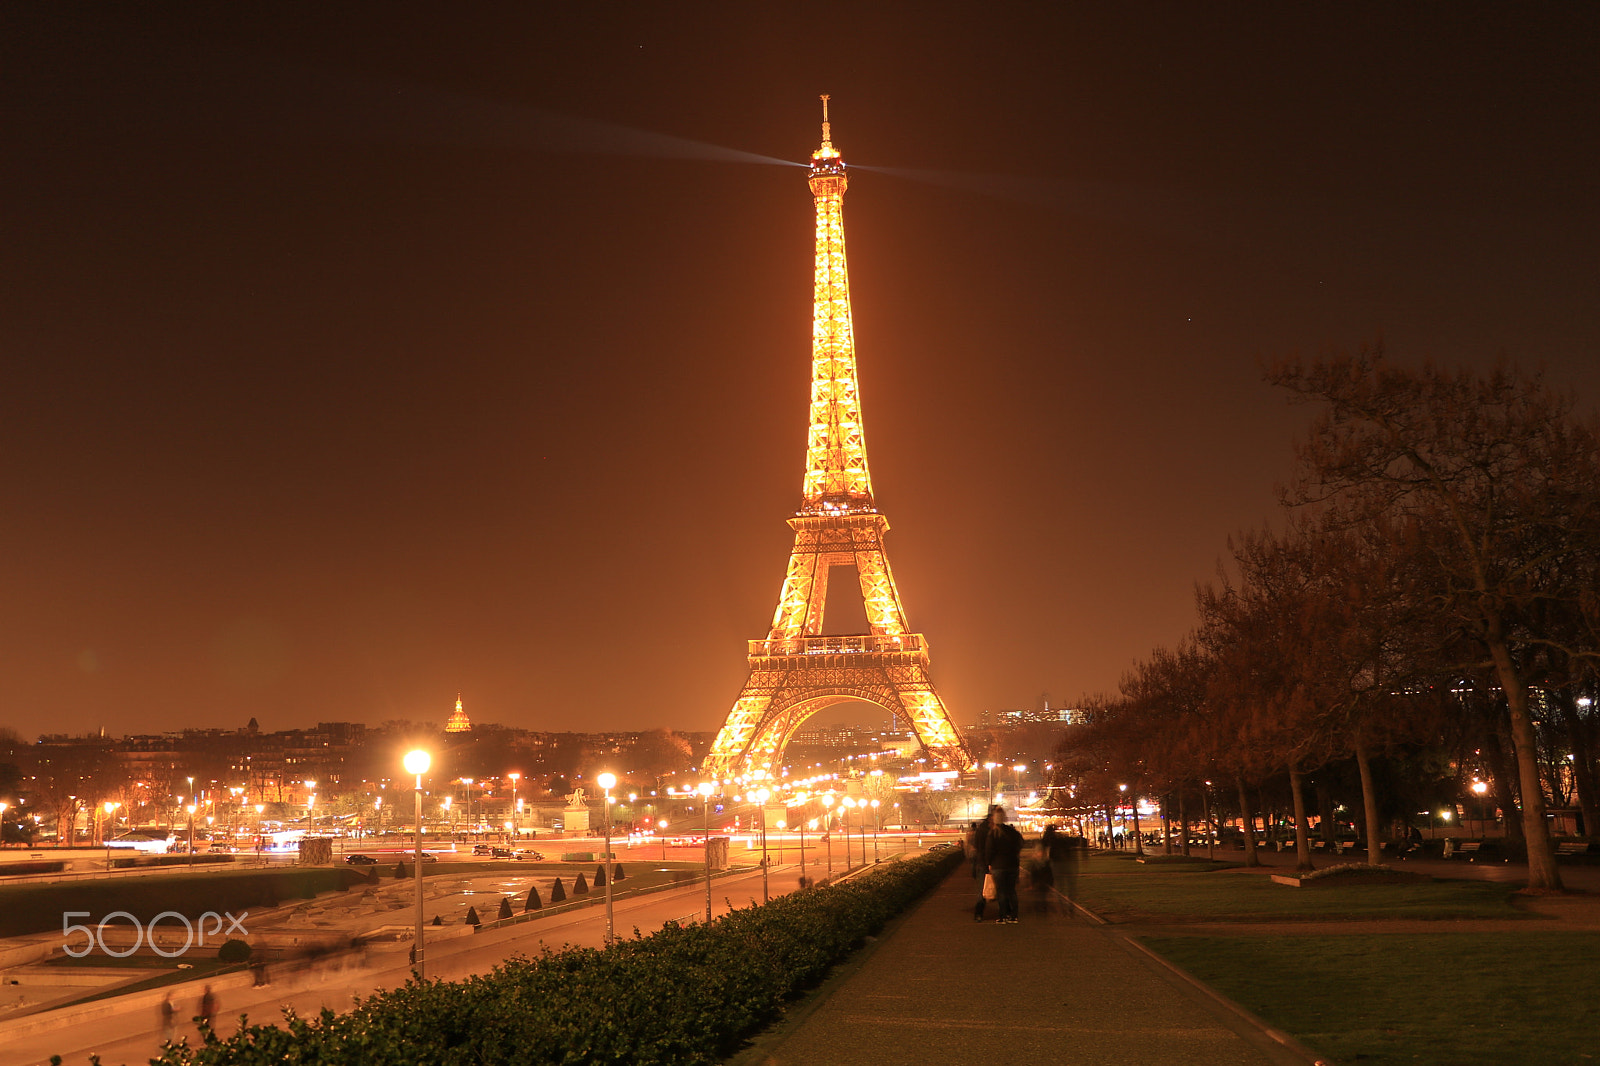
1053,989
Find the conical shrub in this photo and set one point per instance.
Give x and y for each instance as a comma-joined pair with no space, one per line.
580,887
557,893
616,872
533,902
505,906
472,916
437,920
399,871
600,876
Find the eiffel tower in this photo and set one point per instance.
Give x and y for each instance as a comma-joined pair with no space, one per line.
795,671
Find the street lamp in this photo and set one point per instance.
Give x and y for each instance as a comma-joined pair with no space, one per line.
663,827
989,766
518,816
705,804
845,807
468,782
1478,789
608,781
877,823
417,762
761,796
191,809
827,835
261,809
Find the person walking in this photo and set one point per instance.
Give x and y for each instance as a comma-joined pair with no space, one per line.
977,838
1003,854
166,1011
208,1008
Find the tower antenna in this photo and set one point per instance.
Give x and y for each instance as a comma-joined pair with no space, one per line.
827,136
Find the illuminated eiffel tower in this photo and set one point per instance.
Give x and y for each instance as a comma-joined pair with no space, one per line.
796,671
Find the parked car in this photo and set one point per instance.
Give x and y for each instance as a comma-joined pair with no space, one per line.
528,855
360,860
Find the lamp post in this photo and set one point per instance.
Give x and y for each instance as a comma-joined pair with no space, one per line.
261,808
761,797
845,807
517,817
1478,789
191,809
608,781
705,804
827,827
877,823
468,782
989,766
663,828
417,762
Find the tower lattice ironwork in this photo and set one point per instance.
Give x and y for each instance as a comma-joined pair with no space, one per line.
796,671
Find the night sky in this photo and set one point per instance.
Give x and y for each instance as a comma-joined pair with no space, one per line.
356,356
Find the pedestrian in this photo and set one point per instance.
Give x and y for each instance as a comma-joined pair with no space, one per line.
166,1011
977,835
208,1008
1003,855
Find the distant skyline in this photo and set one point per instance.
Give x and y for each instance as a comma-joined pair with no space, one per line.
352,362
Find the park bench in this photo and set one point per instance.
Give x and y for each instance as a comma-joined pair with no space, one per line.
1453,847
1573,847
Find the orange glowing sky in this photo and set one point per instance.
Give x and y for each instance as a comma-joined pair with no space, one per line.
351,362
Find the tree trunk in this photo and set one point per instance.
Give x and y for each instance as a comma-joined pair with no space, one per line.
1166,824
1138,834
1503,776
1542,872
1302,827
1369,805
1211,829
1325,819
1248,821
1183,824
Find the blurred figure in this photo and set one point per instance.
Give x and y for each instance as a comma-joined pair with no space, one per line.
1003,855
977,837
208,1008
165,1012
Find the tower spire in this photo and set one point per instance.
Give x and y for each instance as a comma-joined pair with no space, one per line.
837,480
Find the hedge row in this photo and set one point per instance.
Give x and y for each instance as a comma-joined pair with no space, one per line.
684,995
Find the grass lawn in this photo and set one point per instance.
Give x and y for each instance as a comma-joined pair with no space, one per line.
1122,891
1452,999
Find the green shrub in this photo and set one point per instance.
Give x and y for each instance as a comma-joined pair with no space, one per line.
600,876
557,893
505,906
680,996
399,871
472,916
532,903
580,887
233,950
616,872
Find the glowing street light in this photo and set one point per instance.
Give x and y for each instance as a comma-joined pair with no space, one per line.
705,805
417,762
468,782
518,817
608,781
761,796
